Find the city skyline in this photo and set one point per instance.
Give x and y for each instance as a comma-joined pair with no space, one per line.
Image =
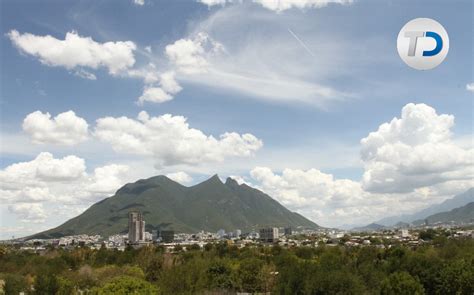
309,103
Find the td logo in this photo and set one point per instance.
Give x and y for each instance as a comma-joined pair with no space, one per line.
423,43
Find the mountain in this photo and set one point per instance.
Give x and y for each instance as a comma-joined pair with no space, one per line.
464,214
210,206
449,204
369,227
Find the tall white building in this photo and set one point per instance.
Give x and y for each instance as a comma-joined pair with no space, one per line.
136,227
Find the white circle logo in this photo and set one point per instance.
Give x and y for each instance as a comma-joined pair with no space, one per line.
423,43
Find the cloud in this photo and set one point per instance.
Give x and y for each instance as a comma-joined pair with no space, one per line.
319,196
470,87
75,52
334,202
213,2
263,61
414,151
49,180
186,56
28,212
299,188
277,5
410,163
190,56
64,129
168,87
181,177
170,140
154,94
139,2
85,74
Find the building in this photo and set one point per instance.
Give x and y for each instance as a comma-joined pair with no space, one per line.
269,235
221,233
136,227
237,233
405,233
288,231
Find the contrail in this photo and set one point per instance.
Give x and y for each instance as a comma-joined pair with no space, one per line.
301,42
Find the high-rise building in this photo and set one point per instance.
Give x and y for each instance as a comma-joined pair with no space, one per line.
269,235
288,231
136,227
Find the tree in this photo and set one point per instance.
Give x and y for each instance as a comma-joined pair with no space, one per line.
248,275
401,283
153,269
66,287
126,286
14,284
427,235
46,284
193,247
219,275
457,277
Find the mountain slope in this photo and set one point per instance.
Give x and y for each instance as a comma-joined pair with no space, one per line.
368,228
449,204
462,214
210,205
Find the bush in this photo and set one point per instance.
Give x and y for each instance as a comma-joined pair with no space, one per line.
126,286
401,283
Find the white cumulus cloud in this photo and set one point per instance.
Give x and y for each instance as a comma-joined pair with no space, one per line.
76,51
190,55
414,151
66,128
49,180
213,2
168,88
410,163
170,140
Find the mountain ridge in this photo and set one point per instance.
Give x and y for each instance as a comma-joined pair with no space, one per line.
456,201
461,214
167,204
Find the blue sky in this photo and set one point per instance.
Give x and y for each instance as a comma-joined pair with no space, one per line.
309,105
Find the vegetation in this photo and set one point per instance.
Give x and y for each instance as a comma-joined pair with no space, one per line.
445,267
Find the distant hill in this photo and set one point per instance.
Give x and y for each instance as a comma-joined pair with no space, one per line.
462,214
210,206
368,228
449,204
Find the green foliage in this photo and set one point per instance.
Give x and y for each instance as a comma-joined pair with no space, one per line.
14,284
457,277
126,286
428,234
46,284
154,269
401,283
444,268
219,275
248,275
66,286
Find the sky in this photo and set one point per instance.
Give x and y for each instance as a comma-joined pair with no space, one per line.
307,100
